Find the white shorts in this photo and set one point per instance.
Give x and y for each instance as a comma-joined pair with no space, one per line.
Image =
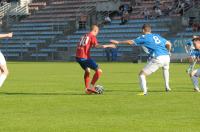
155,63
2,59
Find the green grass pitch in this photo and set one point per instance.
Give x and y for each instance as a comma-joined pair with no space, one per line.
49,97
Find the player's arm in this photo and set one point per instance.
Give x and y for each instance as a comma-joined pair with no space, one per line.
8,35
129,42
96,45
168,46
105,46
187,48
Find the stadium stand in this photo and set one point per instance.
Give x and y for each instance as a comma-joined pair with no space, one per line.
4,8
113,31
45,34
37,5
45,25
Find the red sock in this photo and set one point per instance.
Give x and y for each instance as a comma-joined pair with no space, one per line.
96,77
87,79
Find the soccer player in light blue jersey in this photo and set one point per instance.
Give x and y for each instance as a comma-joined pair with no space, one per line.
195,54
190,49
159,50
189,46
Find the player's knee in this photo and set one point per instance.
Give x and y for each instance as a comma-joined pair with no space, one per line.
142,73
194,73
87,70
165,69
191,59
4,70
99,70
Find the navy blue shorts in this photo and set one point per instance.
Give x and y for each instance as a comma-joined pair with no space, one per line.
87,63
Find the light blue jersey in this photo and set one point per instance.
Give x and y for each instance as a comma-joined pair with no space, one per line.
195,53
191,47
154,44
190,44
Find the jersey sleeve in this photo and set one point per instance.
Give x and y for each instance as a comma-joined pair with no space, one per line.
189,43
164,40
139,41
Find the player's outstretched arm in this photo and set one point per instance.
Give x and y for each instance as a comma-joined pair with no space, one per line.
106,46
8,35
129,42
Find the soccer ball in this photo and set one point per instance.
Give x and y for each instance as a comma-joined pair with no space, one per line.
99,89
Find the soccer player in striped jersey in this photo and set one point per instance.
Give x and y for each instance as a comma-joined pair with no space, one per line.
87,42
3,66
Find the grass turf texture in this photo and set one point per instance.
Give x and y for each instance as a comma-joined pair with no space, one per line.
49,97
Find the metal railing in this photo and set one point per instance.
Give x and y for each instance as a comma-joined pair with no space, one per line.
19,10
4,8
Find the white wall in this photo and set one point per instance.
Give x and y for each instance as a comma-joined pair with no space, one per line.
25,2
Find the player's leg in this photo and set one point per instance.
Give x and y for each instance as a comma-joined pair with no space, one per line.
83,64
165,69
87,81
96,77
166,78
192,62
194,77
93,65
4,74
4,70
151,67
87,77
142,79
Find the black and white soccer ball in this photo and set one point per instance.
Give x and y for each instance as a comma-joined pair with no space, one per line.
99,89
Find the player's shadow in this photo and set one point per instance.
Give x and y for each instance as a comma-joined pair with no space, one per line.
152,91
121,83
118,90
173,91
41,94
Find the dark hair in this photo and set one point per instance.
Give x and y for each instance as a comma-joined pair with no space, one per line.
146,27
196,39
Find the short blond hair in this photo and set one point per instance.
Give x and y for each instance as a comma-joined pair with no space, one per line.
94,27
